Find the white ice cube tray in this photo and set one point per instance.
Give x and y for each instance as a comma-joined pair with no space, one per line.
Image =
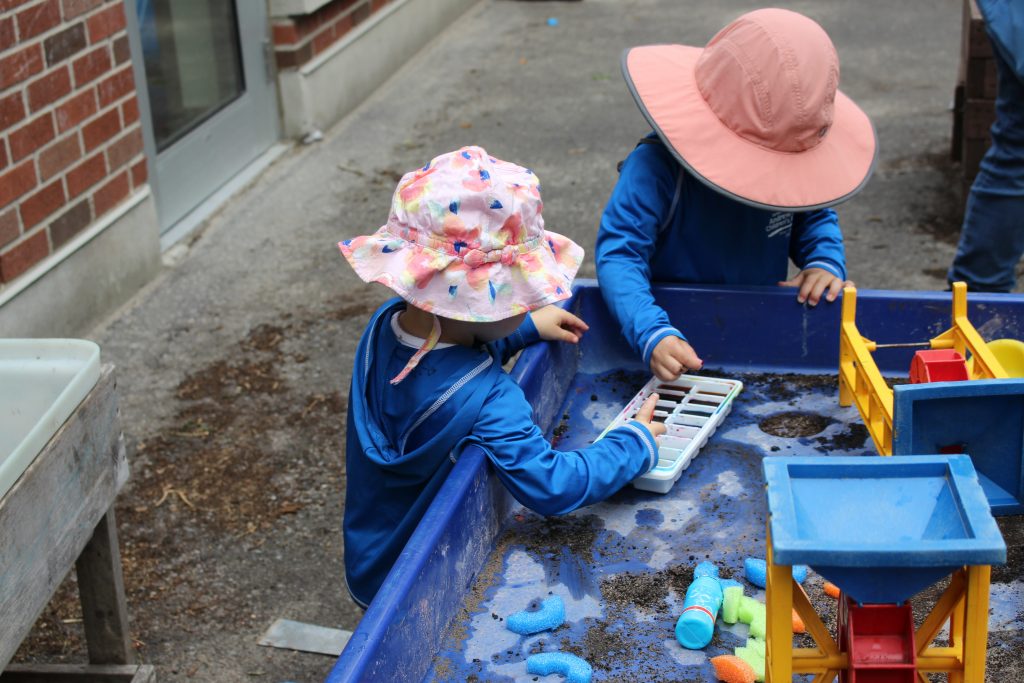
691,409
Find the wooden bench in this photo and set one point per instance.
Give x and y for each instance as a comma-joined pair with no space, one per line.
60,514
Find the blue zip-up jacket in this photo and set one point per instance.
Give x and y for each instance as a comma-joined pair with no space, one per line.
404,439
661,224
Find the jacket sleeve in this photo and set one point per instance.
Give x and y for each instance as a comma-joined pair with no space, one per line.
523,336
817,242
555,482
643,200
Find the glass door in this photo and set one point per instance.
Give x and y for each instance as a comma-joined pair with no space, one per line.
208,103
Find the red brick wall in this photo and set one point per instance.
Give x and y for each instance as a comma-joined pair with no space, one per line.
299,39
70,136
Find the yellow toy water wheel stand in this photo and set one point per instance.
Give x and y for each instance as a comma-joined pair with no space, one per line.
861,383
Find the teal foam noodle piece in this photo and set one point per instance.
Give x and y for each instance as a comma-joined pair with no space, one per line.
573,668
550,616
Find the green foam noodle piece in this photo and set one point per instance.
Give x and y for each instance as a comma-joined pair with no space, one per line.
755,661
749,608
757,645
759,626
731,604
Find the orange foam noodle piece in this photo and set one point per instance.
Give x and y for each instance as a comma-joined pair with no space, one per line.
732,669
832,590
798,623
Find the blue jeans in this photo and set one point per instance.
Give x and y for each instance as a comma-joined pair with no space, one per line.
992,238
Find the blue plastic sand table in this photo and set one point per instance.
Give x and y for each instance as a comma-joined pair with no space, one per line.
622,567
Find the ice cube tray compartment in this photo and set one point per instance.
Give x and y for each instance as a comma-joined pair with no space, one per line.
691,408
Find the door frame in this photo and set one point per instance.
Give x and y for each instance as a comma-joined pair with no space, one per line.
222,145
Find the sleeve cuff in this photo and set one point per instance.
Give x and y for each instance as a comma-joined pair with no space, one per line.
830,266
648,440
655,337
526,333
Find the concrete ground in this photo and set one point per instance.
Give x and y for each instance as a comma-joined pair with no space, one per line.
234,365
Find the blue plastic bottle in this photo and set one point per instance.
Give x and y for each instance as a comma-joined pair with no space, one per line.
696,624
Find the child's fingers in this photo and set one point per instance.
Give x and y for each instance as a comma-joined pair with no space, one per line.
573,321
834,288
818,285
795,282
662,373
690,360
655,428
567,335
646,412
806,287
670,369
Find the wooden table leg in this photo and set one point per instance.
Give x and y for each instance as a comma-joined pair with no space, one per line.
101,589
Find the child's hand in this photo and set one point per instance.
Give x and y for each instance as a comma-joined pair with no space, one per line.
813,282
557,324
672,357
645,416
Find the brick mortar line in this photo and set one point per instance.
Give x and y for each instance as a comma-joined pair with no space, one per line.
76,132
62,176
294,47
75,92
63,25
88,196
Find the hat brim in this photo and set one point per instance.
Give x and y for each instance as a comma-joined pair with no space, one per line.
662,80
445,285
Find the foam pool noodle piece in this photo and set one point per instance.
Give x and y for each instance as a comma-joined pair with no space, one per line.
729,583
574,669
754,660
732,669
696,625
831,590
550,616
757,645
798,623
705,569
749,608
759,626
731,604
756,572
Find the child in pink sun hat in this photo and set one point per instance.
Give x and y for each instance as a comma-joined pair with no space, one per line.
466,251
752,145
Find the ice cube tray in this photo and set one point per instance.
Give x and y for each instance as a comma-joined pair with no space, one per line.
691,408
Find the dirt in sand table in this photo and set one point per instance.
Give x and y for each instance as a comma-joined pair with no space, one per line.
794,424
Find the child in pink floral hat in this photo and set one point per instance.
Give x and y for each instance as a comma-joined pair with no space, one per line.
466,251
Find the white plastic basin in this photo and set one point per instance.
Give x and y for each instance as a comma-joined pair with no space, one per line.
42,381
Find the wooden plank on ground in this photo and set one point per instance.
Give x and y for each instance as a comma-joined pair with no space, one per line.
78,673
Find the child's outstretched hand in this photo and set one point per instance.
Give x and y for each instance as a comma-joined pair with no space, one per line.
672,357
557,324
645,416
813,282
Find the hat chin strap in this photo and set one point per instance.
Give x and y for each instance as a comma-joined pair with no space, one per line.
428,344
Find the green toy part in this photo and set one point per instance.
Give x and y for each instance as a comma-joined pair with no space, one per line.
750,608
759,626
757,645
731,604
752,658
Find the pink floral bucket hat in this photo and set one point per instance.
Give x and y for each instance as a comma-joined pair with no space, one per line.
465,240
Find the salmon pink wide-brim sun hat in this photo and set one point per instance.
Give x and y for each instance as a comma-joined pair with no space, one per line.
757,114
465,239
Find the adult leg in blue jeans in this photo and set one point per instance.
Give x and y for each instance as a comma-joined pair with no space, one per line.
992,238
